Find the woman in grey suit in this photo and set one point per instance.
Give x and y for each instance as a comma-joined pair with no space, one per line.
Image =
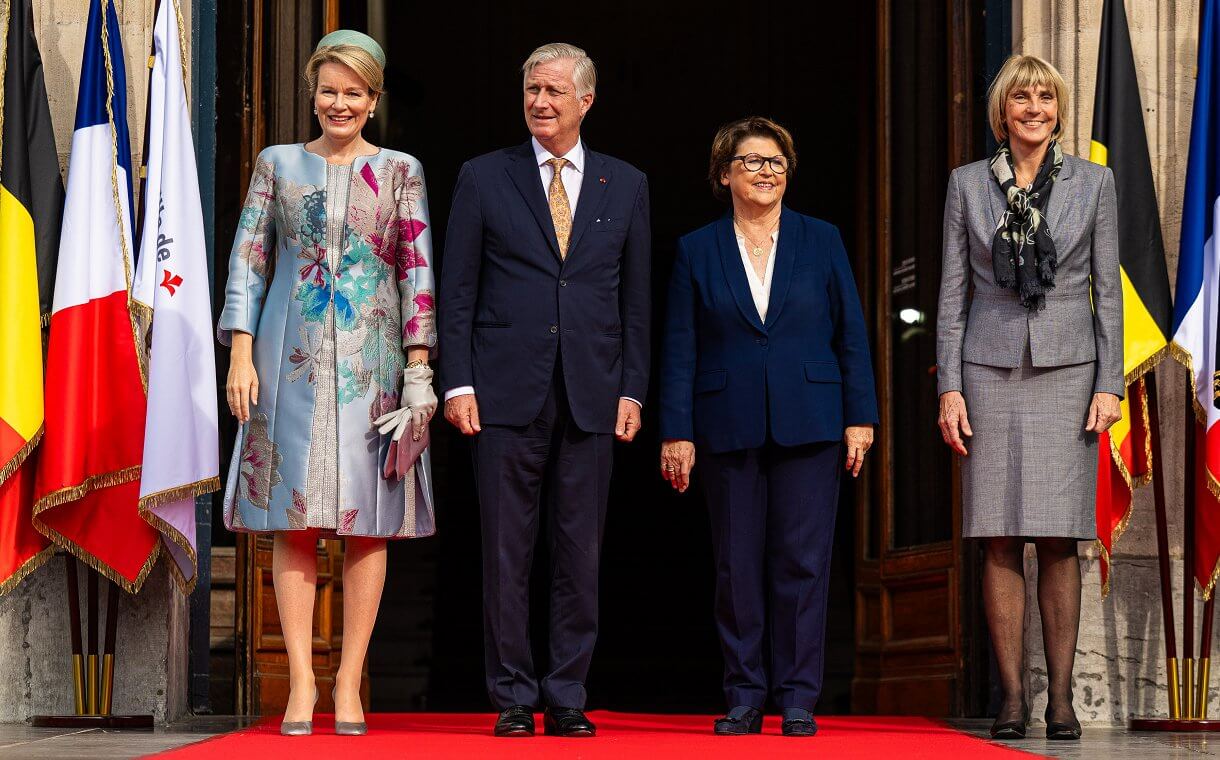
1030,369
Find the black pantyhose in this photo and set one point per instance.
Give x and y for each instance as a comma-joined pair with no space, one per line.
1059,605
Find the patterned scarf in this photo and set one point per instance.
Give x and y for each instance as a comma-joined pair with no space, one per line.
1022,251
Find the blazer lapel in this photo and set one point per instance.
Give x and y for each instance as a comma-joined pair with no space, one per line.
785,259
593,187
1060,192
734,272
524,174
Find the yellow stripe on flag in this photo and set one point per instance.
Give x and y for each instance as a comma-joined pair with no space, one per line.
20,326
1142,339
1098,153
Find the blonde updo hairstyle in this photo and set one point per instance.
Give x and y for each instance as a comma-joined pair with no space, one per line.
1018,73
355,58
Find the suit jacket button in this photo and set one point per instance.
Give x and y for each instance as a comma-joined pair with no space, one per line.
563,283
554,328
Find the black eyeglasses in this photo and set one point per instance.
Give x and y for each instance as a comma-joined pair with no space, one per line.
754,162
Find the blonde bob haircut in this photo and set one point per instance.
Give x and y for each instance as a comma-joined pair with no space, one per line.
584,73
1018,73
355,58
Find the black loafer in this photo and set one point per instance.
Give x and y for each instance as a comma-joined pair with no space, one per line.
798,722
567,721
1062,731
740,721
517,720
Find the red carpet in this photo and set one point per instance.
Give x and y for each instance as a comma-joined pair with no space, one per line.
621,736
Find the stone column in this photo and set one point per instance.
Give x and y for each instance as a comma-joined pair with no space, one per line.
1120,658
151,650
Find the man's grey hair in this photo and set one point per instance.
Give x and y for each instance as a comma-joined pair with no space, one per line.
584,73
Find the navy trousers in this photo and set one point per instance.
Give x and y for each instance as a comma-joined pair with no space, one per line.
512,464
773,519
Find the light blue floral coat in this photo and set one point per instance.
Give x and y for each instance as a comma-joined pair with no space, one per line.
278,290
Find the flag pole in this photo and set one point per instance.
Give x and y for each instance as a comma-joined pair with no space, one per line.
1162,546
1188,562
78,657
1205,658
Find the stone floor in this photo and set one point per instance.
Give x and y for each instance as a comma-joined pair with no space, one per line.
1108,743
20,741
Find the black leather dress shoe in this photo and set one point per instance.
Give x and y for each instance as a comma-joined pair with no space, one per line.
567,721
741,720
517,720
798,722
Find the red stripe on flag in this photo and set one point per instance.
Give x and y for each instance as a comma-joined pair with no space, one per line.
22,549
1207,507
11,442
94,396
88,484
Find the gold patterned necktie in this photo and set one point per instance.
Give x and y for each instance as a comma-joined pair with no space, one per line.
561,211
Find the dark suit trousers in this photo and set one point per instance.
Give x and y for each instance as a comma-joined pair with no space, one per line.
773,517
512,464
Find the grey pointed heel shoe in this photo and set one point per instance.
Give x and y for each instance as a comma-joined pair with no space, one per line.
349,728
299,727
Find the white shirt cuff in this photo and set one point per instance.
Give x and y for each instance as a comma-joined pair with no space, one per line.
637,403
461,390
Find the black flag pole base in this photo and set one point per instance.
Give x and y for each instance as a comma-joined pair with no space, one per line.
1174,724
128,722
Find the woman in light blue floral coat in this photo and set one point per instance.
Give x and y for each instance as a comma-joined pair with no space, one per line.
329,312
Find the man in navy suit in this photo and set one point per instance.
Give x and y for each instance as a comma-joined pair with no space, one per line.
544,319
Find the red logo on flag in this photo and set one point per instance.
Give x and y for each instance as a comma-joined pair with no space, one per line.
170,281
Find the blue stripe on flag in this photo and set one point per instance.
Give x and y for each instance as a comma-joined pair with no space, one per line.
91,98
1202,169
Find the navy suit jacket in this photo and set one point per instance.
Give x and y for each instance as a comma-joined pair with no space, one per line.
728,378
509,307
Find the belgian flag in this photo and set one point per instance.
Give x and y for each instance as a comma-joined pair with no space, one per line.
1119,142
31,207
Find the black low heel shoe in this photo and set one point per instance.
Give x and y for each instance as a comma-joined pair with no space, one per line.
1007,730
1062,731
739,722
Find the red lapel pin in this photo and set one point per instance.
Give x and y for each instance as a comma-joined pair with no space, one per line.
601,180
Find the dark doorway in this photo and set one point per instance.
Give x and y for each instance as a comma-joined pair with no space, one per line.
669,75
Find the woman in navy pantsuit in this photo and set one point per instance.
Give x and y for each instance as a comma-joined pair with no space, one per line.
766,372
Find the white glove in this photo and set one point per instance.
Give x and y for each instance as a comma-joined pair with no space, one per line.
417,406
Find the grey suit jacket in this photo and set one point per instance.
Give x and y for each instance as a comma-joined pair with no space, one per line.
1083,318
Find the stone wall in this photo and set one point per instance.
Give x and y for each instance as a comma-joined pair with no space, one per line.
1120,666
151,655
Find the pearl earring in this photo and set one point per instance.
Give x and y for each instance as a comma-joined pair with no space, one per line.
372,114
315,112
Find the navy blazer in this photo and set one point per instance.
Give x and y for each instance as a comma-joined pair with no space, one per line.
509,307
728,379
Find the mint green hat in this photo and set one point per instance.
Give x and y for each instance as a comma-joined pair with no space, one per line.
352,37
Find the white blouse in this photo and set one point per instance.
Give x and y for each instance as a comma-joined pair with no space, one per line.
759,289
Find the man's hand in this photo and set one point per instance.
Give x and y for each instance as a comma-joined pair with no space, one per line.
463,413
628,420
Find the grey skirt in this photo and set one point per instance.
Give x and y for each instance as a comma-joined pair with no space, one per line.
1032,469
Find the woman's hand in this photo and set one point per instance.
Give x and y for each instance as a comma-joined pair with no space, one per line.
677,460
1103,412
241,388
954,422
858,439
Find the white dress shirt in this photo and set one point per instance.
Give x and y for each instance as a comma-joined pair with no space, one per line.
572,177
760,290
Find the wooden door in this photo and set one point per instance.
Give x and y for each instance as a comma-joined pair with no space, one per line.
280,35
916,619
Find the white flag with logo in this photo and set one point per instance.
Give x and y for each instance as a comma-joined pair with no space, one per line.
181,452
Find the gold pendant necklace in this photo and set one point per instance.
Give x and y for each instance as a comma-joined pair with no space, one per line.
756,250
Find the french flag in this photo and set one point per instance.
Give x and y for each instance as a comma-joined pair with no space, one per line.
1195,306
88,485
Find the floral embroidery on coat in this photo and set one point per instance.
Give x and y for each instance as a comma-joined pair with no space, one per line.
260,461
